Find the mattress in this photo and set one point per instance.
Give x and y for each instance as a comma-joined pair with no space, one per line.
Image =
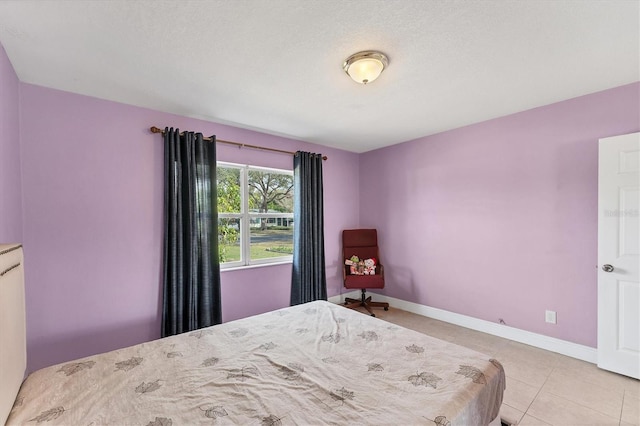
317,363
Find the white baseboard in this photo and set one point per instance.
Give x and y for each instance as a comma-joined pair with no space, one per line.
574,350
339,299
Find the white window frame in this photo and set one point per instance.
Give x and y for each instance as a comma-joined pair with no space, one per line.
245,217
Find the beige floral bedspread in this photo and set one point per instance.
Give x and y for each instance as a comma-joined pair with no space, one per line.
316,363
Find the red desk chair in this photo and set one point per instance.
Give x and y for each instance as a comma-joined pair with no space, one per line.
362,243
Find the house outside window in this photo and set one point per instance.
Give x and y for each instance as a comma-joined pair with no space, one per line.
255,215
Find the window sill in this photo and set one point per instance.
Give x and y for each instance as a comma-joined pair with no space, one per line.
259,265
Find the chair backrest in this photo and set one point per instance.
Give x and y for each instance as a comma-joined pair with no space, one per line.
360,242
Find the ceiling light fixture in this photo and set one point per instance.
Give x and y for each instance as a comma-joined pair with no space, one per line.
364,67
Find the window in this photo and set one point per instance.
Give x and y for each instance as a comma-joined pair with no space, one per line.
255,215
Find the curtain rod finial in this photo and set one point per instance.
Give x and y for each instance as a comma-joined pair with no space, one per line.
154,129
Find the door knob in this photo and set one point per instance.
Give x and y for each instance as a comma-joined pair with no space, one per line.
607,268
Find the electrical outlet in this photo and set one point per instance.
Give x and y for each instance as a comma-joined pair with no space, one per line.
550,317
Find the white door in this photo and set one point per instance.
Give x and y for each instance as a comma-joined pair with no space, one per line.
619,255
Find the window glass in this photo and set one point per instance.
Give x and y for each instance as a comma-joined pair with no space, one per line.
229,238
229,198
255,209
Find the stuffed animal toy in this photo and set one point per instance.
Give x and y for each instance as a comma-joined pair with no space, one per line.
353,264
370,266
358,266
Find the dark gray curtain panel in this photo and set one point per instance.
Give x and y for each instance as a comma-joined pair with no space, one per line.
308,281
191,293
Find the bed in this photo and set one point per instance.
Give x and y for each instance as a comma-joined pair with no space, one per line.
317,363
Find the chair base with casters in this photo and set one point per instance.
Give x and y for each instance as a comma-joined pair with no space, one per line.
365,302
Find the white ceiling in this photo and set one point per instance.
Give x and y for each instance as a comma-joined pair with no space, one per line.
275,66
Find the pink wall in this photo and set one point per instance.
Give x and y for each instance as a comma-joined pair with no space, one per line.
10,172
92,180
499,219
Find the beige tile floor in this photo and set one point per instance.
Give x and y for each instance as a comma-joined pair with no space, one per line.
543,388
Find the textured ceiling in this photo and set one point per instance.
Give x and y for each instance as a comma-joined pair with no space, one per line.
275,66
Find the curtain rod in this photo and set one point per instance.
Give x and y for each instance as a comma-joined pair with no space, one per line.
155,129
